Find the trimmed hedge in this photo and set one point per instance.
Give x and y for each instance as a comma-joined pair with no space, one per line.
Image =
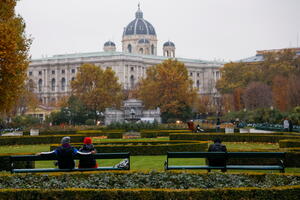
150,186
160,133
289,143
52,139
146,147
274,193
236,137
5,162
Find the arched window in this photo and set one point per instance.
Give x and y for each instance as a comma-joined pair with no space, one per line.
131,81
198,84
152,49
53,84
141,50
129,48
168,53
63,84
73,78
40,83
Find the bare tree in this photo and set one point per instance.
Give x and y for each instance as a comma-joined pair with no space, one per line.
257,95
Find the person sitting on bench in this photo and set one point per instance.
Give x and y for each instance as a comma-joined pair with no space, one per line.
65,154
217,147
87,147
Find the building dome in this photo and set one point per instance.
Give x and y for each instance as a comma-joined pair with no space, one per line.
143,41
109,46
139,26
109,43
169,44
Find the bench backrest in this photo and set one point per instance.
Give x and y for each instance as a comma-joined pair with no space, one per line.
76,157
226,154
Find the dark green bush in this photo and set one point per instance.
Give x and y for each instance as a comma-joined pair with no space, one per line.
147,147
236,137
150,186
289,143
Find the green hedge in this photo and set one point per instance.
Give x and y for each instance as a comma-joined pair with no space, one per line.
52,139
275,193
160,133
147,147
289,143
5,162
151,186
236,137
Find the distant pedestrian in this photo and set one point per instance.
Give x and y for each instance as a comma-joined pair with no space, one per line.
191,125
218,125
290,126
286,125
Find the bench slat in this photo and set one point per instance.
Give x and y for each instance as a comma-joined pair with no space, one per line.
76,157
63,170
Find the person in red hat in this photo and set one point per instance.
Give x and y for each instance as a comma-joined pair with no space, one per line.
86,148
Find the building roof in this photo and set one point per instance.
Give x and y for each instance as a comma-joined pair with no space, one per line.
139,26
109,43
259,57
169,44
116,53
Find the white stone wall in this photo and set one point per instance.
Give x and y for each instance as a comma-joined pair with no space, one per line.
129,68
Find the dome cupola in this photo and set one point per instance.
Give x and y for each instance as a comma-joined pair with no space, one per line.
139,26
139,36
109,46
169,49
169,44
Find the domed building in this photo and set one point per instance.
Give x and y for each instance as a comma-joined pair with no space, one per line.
109,46
53,75
139,36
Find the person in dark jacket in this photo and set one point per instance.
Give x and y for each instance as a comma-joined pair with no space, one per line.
218,125
217,147
65,154
290,126
88,147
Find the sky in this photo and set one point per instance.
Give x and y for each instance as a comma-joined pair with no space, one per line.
220,30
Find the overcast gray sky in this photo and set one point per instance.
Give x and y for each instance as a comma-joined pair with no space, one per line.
200,29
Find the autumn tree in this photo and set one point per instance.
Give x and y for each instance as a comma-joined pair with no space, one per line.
167,86
27,99
280,92
96,88
257,95
294,90
14,60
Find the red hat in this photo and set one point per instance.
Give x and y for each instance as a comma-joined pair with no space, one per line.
87,140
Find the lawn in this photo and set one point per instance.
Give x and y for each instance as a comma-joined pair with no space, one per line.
140,162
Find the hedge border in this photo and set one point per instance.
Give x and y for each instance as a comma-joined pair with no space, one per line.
156,149
234,137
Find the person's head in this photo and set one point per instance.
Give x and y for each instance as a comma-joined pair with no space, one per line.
87,140
65,140
217,140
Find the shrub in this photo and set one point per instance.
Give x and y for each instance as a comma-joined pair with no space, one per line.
236,137
147,147
90,122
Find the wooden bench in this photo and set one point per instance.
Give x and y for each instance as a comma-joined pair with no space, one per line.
45,157
280,156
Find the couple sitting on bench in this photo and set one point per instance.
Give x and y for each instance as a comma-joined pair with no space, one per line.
66,152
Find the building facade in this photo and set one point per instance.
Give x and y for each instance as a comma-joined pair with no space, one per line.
53,75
